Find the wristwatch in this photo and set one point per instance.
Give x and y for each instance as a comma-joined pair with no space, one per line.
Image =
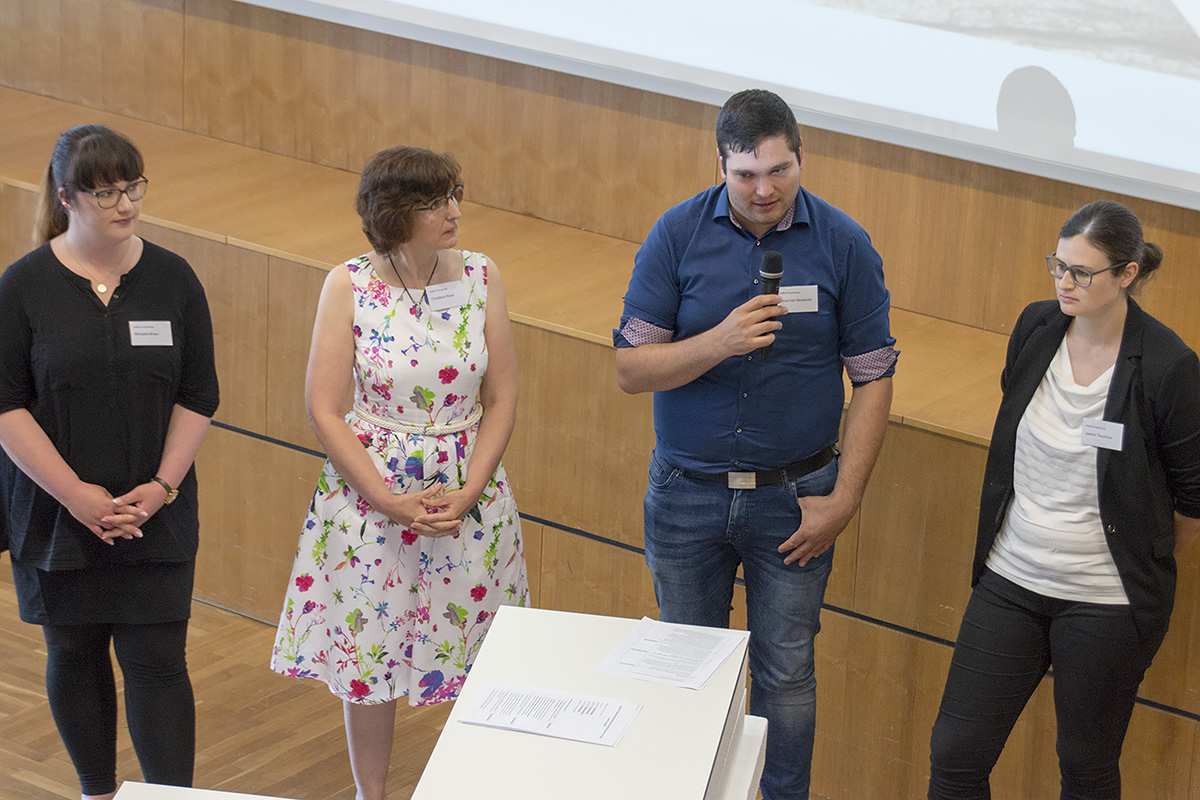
171,493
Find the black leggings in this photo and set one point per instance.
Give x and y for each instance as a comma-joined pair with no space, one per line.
1009,638
158,700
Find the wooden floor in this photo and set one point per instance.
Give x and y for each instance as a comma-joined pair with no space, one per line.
256,731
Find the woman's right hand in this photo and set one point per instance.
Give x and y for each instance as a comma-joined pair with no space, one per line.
94,507
411,511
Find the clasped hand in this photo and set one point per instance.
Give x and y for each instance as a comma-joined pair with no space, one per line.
431,512
111,518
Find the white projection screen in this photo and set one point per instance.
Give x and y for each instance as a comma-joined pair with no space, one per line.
1104,93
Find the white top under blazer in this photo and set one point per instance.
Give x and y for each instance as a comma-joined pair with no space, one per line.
1052,541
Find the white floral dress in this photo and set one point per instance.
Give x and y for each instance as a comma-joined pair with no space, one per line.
372,609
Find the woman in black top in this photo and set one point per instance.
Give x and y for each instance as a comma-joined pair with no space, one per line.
107,385
1092,483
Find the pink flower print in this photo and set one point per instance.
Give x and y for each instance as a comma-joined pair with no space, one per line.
450,400
382,390
362,506
443,457
447,582
358,690
413,362
408,537
482,618
364,438
309,607
479,592
304,582
472,368
357,332
447,374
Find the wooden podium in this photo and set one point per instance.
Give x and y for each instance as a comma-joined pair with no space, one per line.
684,744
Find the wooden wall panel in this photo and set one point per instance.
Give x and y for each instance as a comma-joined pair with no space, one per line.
583,575
293,291
581,447
917,531
253,497
1174,678
571,150
235,283
124,56
18,207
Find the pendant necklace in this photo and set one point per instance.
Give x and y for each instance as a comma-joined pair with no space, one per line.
101,286
404,286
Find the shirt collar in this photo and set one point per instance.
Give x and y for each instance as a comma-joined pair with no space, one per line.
796,213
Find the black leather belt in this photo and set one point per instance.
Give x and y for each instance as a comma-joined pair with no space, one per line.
770,477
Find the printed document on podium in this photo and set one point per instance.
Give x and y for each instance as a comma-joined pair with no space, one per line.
563,715
677,655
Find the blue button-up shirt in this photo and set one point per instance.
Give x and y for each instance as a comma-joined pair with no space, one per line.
745,413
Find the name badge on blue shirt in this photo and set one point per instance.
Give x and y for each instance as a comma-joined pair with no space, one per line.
150,333
799,299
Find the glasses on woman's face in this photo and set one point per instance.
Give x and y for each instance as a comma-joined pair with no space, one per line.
456,194
1082,277
108,198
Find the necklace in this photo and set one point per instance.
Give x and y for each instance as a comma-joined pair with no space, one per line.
403,285
101,286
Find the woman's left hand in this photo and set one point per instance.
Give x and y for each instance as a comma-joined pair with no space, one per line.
451,505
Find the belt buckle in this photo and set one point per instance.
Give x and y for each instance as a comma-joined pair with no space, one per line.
742,480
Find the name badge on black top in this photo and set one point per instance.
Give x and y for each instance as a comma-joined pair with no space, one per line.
150,333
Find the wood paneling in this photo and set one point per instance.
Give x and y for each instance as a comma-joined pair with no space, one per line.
580,574
571,150
581,447
292,306
235,283
18,207
124,56
253,497
917,528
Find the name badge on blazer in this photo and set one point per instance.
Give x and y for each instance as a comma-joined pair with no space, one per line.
1101,433
150,333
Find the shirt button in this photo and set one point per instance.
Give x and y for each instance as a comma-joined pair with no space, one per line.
745,395
736,462
1112,528
739,430
749,357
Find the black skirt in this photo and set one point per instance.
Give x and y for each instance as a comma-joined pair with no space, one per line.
129,594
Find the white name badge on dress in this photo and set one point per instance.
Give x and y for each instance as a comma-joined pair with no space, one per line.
1100,433
446,295
156,333
799,299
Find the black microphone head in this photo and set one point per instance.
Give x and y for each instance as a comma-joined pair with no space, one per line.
772,265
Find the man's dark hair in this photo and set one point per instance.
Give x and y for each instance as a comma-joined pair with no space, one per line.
751,116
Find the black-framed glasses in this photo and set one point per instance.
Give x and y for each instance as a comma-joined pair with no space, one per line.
108,198
456,194
1082,277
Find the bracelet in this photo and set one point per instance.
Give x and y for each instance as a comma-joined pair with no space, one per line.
171,493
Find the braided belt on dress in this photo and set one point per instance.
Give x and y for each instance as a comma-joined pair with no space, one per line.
426,430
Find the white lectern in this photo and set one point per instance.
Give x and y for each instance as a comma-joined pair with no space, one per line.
684,744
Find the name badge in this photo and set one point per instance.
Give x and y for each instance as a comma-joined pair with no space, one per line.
1099,433
799,299
150,333
442,296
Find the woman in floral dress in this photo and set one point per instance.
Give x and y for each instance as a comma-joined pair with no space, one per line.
412,539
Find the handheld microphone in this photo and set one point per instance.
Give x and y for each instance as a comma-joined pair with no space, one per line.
769,274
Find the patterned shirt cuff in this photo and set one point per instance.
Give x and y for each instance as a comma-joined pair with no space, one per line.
639,332
871,366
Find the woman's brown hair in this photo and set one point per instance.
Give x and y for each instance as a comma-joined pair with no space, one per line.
84,158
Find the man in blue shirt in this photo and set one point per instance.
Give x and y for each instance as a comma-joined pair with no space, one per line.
744,469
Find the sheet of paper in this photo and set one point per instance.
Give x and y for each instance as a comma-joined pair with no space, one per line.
677,655
563,715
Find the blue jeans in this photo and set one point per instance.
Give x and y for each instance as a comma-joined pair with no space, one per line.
697,532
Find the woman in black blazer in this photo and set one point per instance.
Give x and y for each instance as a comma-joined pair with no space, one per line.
1092,483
